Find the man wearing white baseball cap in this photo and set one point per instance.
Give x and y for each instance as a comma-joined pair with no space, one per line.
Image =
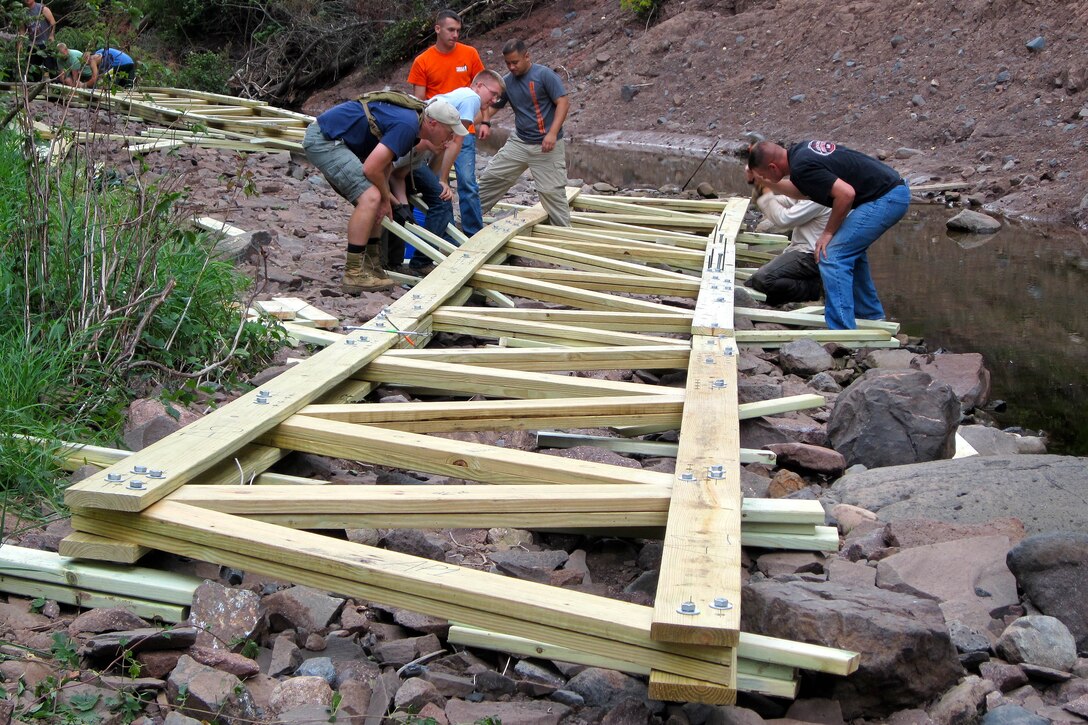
354,144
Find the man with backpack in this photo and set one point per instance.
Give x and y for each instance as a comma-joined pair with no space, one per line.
354,144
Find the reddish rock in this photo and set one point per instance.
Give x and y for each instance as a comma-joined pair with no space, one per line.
416,692
968,578
849,573
158,663
909,533
299,691
816,710
302,608
421,622
237,665
962,703
791,562
105,620
966,373
204,692
849,516
787,428
784,483
907,658
286,656
628,712
802,456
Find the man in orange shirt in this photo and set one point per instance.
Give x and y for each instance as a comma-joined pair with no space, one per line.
444,67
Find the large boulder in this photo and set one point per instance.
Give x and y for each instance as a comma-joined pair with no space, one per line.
1047,493
907,656
894,417
1038,640
1052,569
968,577
966,373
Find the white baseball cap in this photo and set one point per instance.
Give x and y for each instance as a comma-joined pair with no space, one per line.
447,115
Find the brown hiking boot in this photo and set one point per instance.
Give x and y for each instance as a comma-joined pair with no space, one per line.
361,275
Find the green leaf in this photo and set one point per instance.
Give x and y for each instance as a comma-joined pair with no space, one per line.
85,701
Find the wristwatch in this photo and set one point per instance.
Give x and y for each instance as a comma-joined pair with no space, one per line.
486,123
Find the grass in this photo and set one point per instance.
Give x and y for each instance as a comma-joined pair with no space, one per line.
105,294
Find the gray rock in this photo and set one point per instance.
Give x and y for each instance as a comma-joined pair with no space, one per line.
989,441
524,713
1046,493
415,693
1038,640
1006,677
286,656
299,692
890,418
825,383
606,688
804,357
908,658
302,608
974,222
532,565
568,698
799,98
966,639
1012,715
1052,569
318,667
889,359
905,152
1036,44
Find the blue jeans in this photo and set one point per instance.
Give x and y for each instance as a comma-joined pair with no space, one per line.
849,291
468,189
439,211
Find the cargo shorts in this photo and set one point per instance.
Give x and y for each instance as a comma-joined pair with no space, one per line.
338,164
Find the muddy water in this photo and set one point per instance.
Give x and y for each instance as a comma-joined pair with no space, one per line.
1017,297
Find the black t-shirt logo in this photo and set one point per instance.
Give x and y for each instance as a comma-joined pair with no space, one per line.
823,148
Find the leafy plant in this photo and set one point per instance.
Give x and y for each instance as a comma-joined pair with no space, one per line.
64,650
643,8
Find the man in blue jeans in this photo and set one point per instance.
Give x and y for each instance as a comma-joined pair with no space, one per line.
866,198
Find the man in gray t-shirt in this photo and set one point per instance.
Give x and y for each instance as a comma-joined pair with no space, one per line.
540,106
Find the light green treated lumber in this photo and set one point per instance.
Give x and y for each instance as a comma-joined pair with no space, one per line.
87,599
124,581
555,439
747,411
752,676
824,538
808,319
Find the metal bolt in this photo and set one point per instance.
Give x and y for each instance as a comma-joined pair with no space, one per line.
417,307
156,473
718,384
139,469
716,471
114,477
720,299
261,401
687,476
136,484
721,603
688,608
265,393
709,359
466,255
364,338
349,341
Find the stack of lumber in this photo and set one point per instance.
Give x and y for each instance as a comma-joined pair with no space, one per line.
145,592
298,312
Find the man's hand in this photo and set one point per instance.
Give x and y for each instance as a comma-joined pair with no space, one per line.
548,144
483,130
385,209
447,192
820,251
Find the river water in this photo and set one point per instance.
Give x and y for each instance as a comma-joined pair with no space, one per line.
1014,296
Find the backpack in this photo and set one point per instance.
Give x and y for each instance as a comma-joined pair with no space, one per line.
395,98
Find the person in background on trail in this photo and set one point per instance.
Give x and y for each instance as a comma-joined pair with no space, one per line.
444,67
40,29
540,104
72,68
359,166
794,275
114,63
866,198
485,89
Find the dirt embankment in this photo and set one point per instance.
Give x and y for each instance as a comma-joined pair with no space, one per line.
952,87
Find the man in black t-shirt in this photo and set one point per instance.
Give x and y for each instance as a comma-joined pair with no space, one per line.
866,198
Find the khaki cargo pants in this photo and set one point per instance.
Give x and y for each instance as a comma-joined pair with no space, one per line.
549,176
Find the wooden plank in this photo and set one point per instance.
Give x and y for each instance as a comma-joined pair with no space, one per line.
648,357
678,322
427,417
513,384
671,222
278,310
585,259
568,618
306,311
749,676
79,545
701,558
796,317
224,430
609,231
210,224
87,599
777,338
458,459
610,281
122,581
555,439
486,325
632,252
561,294
714,307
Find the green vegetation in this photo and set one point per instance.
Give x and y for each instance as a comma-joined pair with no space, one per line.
106,295
642,8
